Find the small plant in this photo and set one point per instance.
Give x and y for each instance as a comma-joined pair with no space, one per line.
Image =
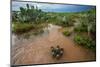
66,33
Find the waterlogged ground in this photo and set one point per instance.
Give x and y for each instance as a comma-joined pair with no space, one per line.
36,49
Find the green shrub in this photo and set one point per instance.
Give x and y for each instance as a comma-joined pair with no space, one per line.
80,29
85,41
22,27
65,23
66,33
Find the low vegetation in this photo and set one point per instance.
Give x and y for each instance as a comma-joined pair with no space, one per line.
85,41
22,28
19,28
67,33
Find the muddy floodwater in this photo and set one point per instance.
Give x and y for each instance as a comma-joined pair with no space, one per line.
36,49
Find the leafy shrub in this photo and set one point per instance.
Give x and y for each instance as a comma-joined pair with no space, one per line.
85,41
83,24
66,33
80,29
64,21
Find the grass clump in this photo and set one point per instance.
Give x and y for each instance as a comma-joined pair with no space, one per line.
66,33
19,28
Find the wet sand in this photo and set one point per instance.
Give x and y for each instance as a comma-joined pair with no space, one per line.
36,50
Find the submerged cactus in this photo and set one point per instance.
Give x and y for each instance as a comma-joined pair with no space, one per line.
57,52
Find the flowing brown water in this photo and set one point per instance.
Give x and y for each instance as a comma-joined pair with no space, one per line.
36,49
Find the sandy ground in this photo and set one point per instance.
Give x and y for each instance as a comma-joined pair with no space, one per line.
37,51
